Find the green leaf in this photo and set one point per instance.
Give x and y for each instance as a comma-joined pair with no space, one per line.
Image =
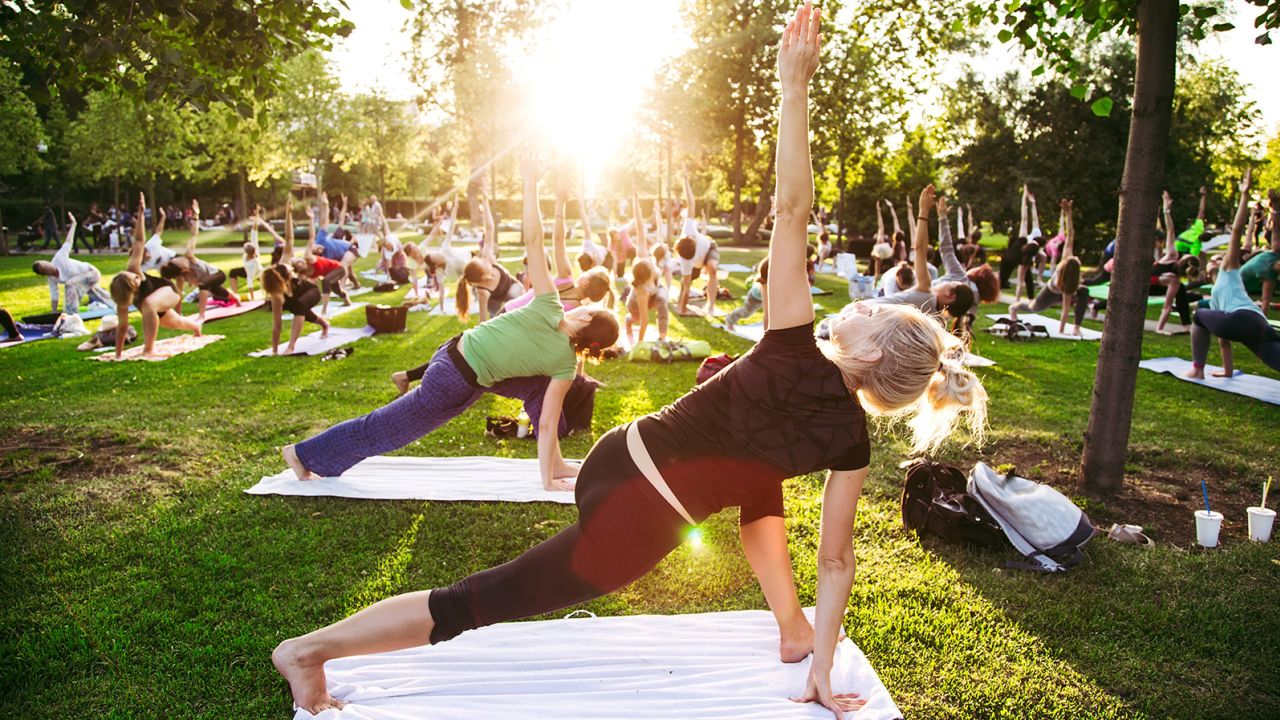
1078,91
406,4
1223,27
1005,36
1038,71
1205,11
1102,107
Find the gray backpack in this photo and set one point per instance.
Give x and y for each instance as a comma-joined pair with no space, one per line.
1040,522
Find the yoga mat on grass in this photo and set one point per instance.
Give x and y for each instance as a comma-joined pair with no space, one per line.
221,313
359,291
734,267
641,667
650,335
93,311
30,333
162,350
1100,292
1051,324
313,344
1252,386
336,308
451,479
748,331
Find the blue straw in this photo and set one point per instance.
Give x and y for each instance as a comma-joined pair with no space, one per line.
1205,489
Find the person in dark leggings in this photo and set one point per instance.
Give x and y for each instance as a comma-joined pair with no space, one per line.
1064,286
209,280
288,292
9,326
783,409
1232,316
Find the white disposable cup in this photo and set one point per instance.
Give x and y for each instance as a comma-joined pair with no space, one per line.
1260,521
1207,526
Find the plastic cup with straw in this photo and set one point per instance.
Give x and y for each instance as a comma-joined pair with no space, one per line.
1208,522
1262,518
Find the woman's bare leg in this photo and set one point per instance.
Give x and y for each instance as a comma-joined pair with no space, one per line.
764,542
396,623
174,321
150,328
1170,295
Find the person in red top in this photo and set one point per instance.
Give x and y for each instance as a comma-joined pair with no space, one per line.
328,274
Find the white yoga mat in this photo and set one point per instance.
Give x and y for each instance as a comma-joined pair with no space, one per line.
336,308
425,478
650,335
734,268
748,331
359,291
313,344
375,276
1253,386
703,666
1051,324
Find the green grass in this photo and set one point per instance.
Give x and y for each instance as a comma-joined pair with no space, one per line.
140,581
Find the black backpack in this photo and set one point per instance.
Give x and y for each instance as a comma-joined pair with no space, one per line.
580,404
935,501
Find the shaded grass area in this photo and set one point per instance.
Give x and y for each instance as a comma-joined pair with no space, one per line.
141,581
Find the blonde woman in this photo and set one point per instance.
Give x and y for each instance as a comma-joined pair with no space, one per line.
156,298
788,407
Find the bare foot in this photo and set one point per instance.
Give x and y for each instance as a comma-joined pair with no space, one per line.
560,485
306,679
796,645
1223,373
290,454
401,381
199,331
1194,374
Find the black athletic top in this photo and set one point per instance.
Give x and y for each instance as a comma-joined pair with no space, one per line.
779,411
302,299
502,293
149,284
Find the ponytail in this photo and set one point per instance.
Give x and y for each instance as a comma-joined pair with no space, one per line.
953,391
463,299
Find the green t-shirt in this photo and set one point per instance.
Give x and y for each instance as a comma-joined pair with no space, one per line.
522,343
1189,240
1260,267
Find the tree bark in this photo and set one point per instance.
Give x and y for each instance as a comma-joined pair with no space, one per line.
1106,441
738,151
242,196
764,205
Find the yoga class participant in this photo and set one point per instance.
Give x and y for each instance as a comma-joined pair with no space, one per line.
209,280
289,292
645,292
757,298
157,254
78,277
155,298
1166,274
697,253
337,246
1189,240
512,355
1064,286
788,407
250,268
1260,273
1232,316
493,284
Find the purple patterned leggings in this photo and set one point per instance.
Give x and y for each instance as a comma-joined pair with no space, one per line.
443,395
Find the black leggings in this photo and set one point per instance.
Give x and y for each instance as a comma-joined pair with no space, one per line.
6,321
1048,298
304,303
1243,326
213,284
624,529
333,283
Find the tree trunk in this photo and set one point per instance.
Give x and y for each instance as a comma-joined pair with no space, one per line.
738,160
1106,440
115,191
766,202
4,236
242,196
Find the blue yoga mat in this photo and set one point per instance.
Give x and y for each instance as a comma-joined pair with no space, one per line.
30,333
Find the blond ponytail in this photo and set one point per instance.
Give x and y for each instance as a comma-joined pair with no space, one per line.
954,395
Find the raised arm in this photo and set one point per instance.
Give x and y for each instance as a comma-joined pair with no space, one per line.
911,217
490,247
287,253
1204,198
67,244
1232,259
324,211
160,219
960,223
1035,213
560,252
924,282
1069,229
688,196
1022,224
1170,236
139,248
893,213
946,245
880,236
791,303
531,227
195,229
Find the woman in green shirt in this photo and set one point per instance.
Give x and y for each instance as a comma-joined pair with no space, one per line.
530,354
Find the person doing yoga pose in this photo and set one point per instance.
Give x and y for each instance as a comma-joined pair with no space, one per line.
697,253
157,254
188,268
155,298
1188,242
1167,273
286,291
646,291
530,354
1232,316
494,285
250,259
78,277
1261,272
1064,286
788,407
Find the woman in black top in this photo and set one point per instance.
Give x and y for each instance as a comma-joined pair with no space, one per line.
494,285
289,292
155,298
208,279
785,408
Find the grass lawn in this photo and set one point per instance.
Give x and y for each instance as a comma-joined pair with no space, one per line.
141,582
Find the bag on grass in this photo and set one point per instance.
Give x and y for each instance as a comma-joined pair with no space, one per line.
670,351
712,366
935,501
579,405
1041,523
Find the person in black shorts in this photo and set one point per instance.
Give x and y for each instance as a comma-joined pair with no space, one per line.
788,407
289,292
187,268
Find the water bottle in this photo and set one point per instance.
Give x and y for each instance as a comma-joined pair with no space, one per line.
522,425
